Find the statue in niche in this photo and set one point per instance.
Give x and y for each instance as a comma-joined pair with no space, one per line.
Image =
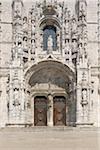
67,26
50,42
33,46
16,103
25,42
16,95
33,28
83,10
74,25
25,25
84,76
16,98
33,25
17,10
84,95
24,20
60,11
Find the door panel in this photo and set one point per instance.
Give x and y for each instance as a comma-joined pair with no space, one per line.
40,111
59,116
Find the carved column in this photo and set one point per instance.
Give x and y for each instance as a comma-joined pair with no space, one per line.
84,103
32,108
3,102
79,109
50,111
29,36
0,32
16,82
83,69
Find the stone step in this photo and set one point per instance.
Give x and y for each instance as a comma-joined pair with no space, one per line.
48,129
46,138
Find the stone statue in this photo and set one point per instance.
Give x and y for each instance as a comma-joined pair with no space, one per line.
25,24
60,11
84,95
25,43
74,25
16,95
50,42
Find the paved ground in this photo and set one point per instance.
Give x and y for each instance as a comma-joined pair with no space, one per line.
35,139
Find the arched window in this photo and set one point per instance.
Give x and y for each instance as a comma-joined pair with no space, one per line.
49,32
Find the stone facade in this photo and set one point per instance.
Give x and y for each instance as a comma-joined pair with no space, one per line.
49,52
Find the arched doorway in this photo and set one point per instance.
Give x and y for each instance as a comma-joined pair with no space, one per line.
55,79
59,111
40,111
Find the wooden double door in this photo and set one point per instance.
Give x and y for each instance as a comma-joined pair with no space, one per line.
41,108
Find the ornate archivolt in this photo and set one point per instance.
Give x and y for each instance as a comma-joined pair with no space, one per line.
54,64
49,77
